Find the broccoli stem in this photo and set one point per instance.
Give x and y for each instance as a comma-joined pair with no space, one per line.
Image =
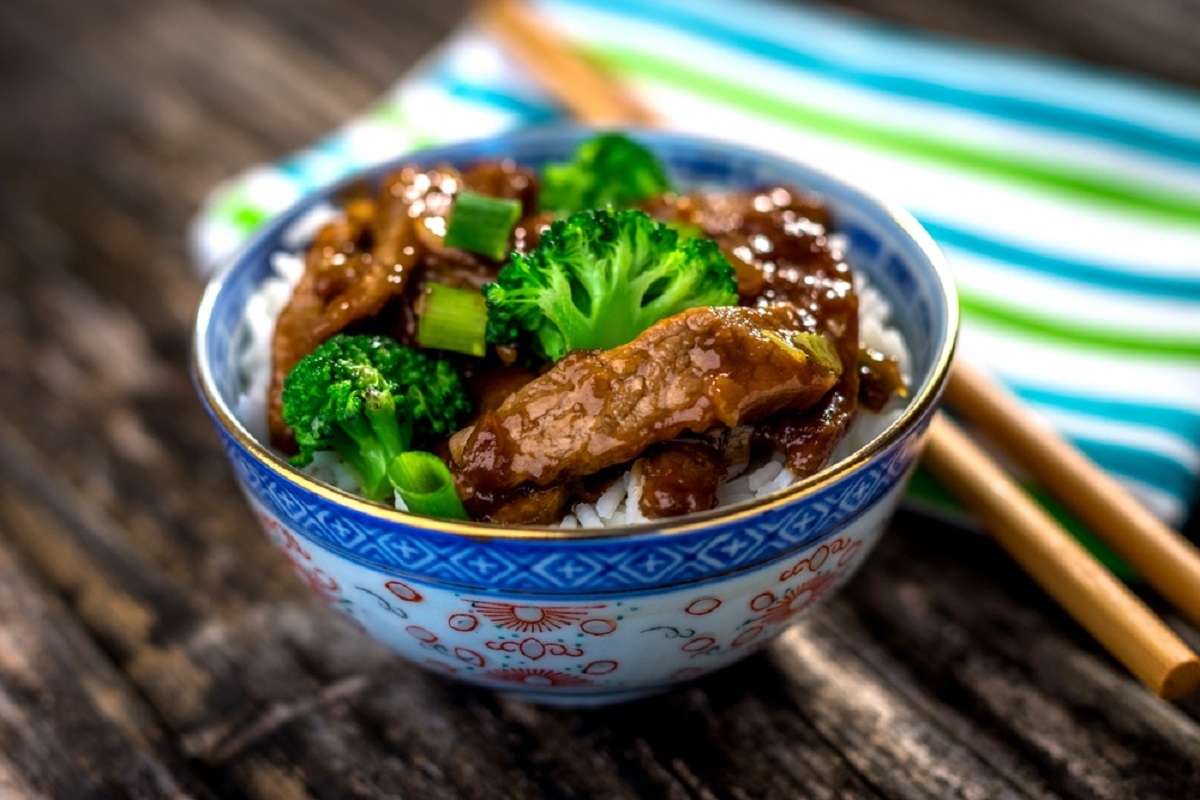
452,319
482,224
426,485
372,440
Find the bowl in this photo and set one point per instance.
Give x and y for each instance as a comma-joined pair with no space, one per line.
600,616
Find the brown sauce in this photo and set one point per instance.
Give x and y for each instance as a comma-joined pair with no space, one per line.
879,379
679,477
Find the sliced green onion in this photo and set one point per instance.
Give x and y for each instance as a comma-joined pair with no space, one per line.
452,319
820,349
482,224
426,485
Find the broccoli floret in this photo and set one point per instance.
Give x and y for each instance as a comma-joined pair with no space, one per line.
608,170
367,398
598,279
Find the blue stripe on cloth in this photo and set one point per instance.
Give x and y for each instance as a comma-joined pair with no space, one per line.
530,111
1182,422
1129,132
324,162
1130,279
1153,469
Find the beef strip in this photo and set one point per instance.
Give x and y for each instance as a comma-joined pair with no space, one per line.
527,504
736,219
799,266
777,240
353,267
679,477
504,179
528,232
385,247
702,368
490,383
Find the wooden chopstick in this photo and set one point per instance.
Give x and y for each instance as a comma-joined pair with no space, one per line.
590,94
1101,603
1162,556
1090,593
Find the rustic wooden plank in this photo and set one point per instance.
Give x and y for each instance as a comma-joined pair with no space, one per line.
70,724
1037,691
894,743
701,741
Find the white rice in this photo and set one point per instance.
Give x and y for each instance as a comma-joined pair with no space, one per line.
619,503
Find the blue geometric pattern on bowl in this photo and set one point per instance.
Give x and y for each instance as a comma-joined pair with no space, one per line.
880,246
644,561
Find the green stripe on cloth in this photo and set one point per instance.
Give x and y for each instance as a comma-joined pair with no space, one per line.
1112,338
390,113
1086,186
235,208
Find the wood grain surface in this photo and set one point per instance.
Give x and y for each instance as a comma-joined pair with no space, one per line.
152,644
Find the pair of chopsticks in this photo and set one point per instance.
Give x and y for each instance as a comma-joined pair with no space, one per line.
1100,602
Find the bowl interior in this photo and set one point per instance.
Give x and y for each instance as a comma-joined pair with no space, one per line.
886,244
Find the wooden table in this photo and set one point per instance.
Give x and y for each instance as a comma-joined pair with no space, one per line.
152,644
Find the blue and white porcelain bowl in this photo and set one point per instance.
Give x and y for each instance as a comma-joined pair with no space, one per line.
587,618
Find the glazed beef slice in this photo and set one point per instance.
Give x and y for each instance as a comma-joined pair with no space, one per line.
703,368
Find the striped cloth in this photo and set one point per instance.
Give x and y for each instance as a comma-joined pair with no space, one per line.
1067,200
